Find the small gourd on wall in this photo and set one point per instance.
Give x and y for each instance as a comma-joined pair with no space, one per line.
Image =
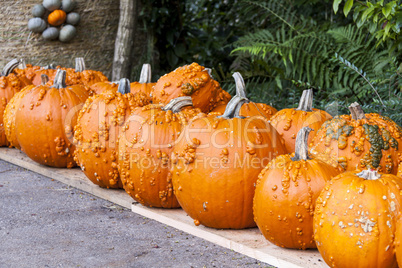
55,20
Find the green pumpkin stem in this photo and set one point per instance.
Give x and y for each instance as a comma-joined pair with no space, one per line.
44,79
368,174
79,65
306,101
10,66
356,111
146,74
175,105
60,79
124,86
301,146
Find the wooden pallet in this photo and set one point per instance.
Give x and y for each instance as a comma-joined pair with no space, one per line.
249,242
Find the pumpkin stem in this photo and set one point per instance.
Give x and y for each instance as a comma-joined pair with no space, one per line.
301,149
175,105
79,65
44,79
209,70
240,85
124,86
146,74
10,66
234,105
49,67
356,111
60,79
22,65
368,174
306,101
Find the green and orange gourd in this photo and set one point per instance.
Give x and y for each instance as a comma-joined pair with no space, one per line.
360,141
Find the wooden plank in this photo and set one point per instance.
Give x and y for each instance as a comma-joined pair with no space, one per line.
249,242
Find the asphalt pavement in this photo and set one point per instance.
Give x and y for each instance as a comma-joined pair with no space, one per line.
45,223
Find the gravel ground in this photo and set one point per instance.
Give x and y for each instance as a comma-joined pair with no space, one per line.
44,223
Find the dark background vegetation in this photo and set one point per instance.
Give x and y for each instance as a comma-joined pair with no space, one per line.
282,47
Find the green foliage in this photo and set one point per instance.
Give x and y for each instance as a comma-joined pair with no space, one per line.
382,18
284,46
299,51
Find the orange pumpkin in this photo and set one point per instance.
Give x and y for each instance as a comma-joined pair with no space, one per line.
10,111
216,163
398,241
356,217
248,108
26,69
57,17
96,134
10,84
144,84
291,181
189,80
145,148
45,121
360,141
289,121
100,87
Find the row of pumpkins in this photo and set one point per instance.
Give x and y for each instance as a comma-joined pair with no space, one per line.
304,178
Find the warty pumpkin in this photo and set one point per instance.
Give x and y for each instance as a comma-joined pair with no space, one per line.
144,84
289,121
248,108
355,219
10,84
96,134
285,195
189,80
45,121
360,141
145,149
11,109
216,163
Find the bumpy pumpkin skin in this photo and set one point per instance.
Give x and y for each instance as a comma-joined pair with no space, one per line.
294,185
216,165
145,149
355,220
29,71
9,116
289,121
36,77
398,241
9,86
45,121
96,135
251,109
99,87
190,80
347,142
146,88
